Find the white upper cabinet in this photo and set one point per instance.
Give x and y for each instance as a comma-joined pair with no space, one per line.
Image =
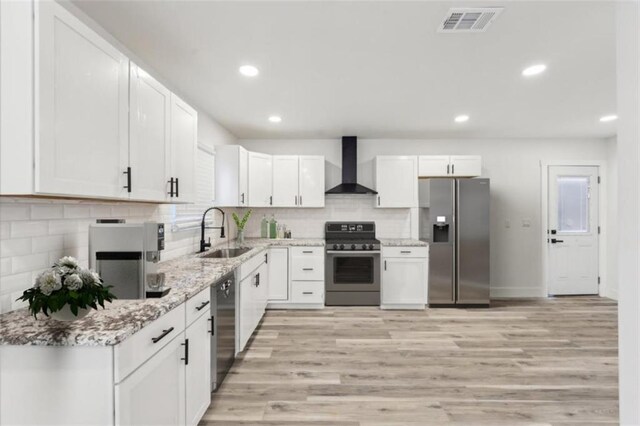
260,180
466,165
232,176
449,165
397,181
311,181
150,136
181,184
82,120
285,180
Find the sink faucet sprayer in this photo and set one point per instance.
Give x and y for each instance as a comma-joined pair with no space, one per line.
205,245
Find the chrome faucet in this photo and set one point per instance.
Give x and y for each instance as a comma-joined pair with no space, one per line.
205,245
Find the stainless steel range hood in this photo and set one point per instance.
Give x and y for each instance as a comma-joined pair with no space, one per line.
349,183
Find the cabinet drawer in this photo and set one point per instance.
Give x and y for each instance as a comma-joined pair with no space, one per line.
307,252
307,268
405,252
307,292
198,305
252,264
138,348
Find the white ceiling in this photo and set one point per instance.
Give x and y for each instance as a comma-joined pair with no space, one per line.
378,69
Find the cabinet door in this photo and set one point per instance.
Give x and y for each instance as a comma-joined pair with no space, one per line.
466,165
198,370
154,393
285,180
260,178
246,311
82,120
311,181
278,274
433,166
404,281
243,176
149,137
184,140
397,181
262,291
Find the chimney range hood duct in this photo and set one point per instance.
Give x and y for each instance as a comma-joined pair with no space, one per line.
349,183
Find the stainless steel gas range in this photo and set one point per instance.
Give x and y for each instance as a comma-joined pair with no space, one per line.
352,267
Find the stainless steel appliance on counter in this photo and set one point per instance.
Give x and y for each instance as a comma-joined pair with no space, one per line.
223,328
126,256
454,220
352,266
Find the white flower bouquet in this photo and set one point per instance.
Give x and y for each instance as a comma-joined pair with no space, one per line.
66,283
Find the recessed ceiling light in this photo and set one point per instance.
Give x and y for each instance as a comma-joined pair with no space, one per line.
534,70
608,118
275,119
461,118
248,70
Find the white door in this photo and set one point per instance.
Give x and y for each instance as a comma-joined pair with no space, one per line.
311,181
198,370
466,165
184,141
433,165
404,281
82,122
285,180
150,138
397,181
260,179
573,230
278,274
154,393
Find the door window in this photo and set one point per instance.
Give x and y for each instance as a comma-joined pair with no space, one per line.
573,204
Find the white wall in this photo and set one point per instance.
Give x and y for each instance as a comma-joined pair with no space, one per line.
628,76
611,185
514,169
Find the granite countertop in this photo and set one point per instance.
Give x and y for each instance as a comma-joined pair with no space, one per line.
187,276
402,242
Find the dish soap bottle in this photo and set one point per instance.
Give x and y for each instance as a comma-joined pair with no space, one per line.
264,227
273,227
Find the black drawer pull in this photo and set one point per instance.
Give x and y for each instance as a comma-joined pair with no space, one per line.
201,307
307,269
307,292
405,251
186,352
160,337
307,251
213,325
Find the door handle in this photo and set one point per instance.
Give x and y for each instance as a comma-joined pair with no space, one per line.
301,200
177,189
448,166
213,326
171,190
554,241
160,337
202,305
453,169
242,198
128,173
271,200
186,352
296,200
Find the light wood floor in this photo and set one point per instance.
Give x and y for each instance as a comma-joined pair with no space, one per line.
536,362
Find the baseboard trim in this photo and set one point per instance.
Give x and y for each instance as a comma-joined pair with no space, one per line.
516,292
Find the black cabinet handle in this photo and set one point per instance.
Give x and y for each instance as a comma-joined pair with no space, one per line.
170,181
405,251
307,269
201,307
453,167
160,337
266,258
307,251
213,325
307,292
270,200
242,198
385,265
257,280
186,352
128,173
448,168
378,200
177,189
301,200
296,200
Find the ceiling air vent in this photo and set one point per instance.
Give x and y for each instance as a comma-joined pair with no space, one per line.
469,19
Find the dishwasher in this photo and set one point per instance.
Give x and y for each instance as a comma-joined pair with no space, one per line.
223,328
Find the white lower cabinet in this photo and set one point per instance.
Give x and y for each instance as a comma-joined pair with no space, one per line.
198,368
254,292
278,274
404,278
154,394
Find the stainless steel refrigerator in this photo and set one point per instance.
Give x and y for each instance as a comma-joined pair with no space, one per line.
454,220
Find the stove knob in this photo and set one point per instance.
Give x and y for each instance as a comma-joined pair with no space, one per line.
335,247
341,246
353,246
370,246
364,247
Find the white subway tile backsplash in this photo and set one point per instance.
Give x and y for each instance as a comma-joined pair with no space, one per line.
29,262
101,211
5,267
26,228
77,211
16,282
5,230
47,243
120,211
79,239
46,211
11,212
16,247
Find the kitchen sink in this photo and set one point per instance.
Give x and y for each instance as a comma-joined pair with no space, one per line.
226,253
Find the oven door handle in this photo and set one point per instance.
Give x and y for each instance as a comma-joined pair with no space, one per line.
353,252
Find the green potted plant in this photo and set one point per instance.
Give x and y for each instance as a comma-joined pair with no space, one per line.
240,224
67,291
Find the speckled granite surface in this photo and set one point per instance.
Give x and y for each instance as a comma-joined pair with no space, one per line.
186,276
401,242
